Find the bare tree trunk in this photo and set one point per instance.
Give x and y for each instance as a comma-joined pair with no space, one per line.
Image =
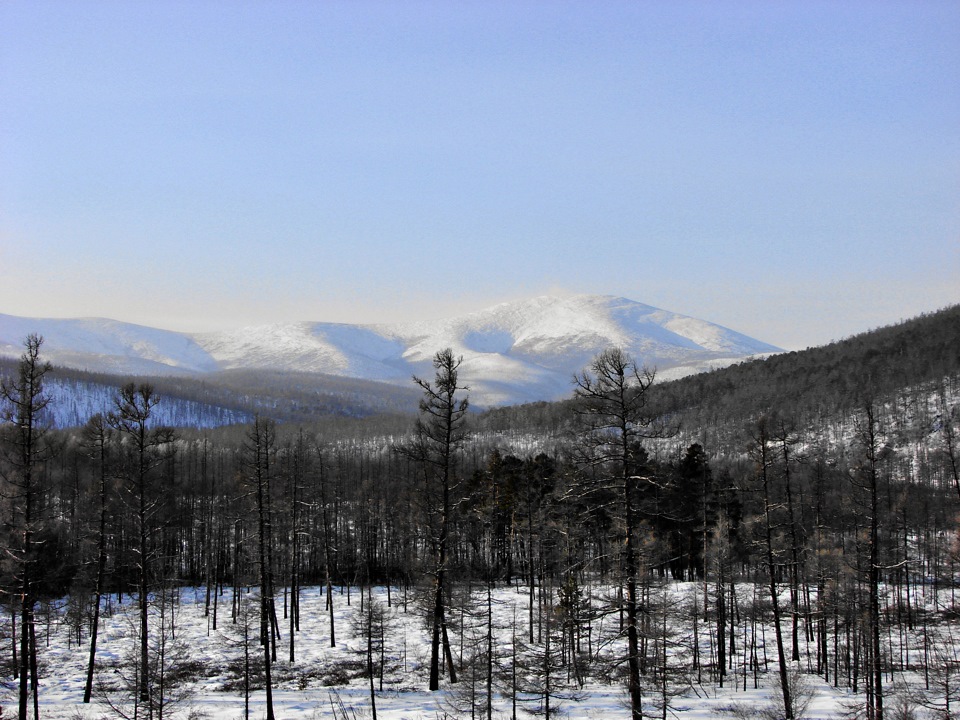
26,398
763,461
34,676
440,432
873,571
612,402
631,569
327,559
97,430
260,440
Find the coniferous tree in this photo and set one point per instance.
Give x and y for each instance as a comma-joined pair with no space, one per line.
439,435
134,408
613,404
259,449
23,446
866,477
97,438
762,452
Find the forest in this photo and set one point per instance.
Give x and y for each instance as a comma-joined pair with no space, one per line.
784,524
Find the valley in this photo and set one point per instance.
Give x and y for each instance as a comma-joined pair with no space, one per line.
691,546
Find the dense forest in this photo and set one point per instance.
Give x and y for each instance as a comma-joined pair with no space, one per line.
826,481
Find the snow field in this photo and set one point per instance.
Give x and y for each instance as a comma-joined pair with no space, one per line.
324,679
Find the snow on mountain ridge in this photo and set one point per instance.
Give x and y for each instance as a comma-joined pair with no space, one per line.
513,351
272,347
85,342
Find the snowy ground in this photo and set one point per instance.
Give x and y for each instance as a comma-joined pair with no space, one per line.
303,689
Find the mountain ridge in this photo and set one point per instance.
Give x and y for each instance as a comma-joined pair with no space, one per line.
513,352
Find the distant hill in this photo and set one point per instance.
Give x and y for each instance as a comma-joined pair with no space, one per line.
513,352
843,374
924,351
918,357
223,398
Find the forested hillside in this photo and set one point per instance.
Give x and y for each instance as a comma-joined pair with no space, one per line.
784,518
921,355
835,377
223,398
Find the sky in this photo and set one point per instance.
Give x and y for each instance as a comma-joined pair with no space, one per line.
790,170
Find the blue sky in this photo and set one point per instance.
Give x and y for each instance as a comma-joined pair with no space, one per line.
787,169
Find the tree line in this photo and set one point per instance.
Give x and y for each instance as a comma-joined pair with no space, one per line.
845,533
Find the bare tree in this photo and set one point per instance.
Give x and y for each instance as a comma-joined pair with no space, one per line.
132,419
948,432
328,548
763,452
439,434
96,437
866,477
613,403
258,450
169,660
23,445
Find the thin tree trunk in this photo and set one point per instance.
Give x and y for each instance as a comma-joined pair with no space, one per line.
98,593
771,573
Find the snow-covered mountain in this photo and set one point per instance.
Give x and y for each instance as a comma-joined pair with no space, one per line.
512,352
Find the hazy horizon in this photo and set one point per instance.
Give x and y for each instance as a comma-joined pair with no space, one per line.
790,171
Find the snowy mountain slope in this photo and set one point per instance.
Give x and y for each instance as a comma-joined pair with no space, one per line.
74,402
513,352
107,345
528,350
336,349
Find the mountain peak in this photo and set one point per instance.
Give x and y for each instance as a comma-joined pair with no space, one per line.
514,351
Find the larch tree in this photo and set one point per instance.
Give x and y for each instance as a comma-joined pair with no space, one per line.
326,535
763,451
439,436
23,445
258,451
96,435
146,445
613,403
866,477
